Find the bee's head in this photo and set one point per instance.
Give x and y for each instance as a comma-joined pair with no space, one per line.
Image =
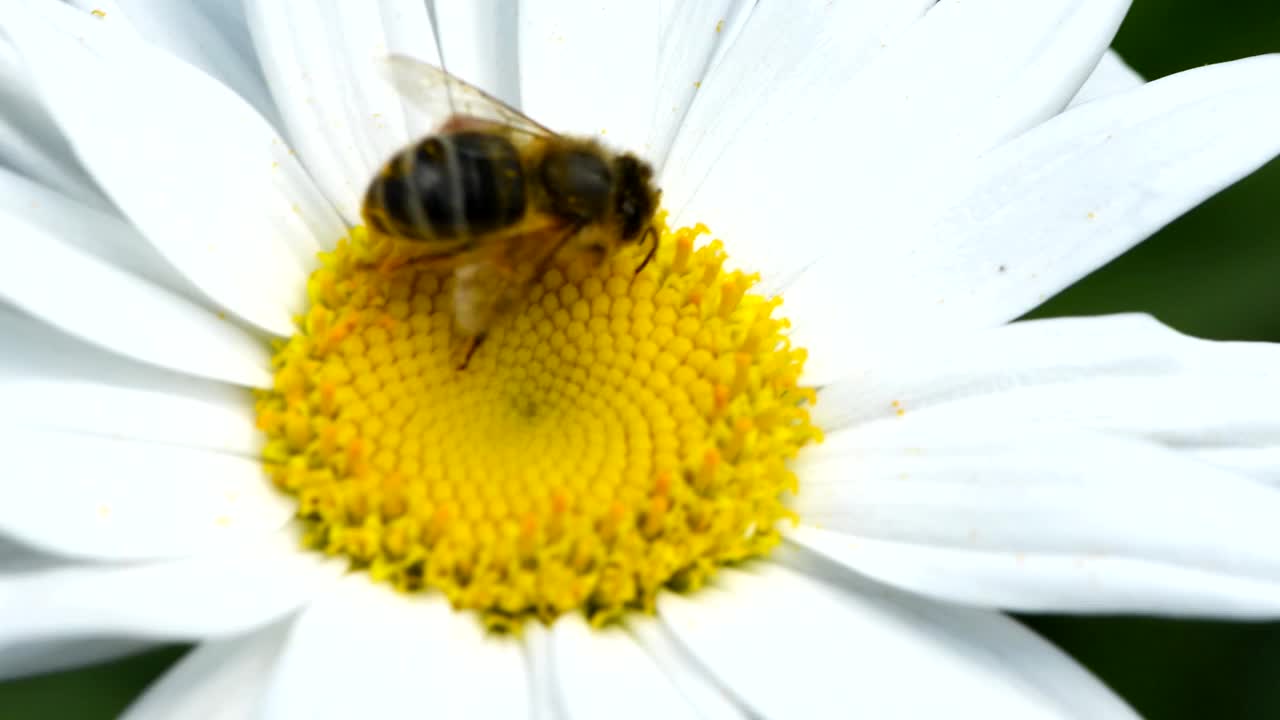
635,198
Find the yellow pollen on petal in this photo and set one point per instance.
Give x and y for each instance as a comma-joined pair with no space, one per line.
615,435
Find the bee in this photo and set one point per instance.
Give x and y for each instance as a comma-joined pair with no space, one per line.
496,198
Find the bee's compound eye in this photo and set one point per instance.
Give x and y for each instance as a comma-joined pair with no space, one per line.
636,199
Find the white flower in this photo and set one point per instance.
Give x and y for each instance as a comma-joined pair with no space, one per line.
901,171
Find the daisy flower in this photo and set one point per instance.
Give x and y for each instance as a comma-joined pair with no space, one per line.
798,471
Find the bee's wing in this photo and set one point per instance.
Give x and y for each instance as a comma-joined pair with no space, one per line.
489,280
441,95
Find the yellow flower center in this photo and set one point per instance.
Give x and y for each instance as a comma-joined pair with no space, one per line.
615,435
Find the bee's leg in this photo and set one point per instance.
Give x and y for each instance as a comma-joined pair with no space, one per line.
392,262
398,259
381,241
473,344
653,249
426,262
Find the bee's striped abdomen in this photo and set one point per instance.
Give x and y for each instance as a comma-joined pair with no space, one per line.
450,186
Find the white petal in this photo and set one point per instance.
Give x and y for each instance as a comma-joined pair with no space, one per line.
815,124
36,351
238,215
1037,214
101,233
1051,519
322,62
18,558
481,45
603,673
215,418
693,36
121,312
1112,75
694,681
1065,465
776,67
228,16
398,656
734,20
95,497
544,700
29,139
591,69
44,657
1118,373
187,31
1033,582
1260,463
203,596
1122,375
220,679
792,645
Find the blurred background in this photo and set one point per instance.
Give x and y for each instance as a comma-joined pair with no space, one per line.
1215,273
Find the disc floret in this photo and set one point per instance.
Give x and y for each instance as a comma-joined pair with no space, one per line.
616,435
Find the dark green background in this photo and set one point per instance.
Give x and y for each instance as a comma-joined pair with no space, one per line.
1215,273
